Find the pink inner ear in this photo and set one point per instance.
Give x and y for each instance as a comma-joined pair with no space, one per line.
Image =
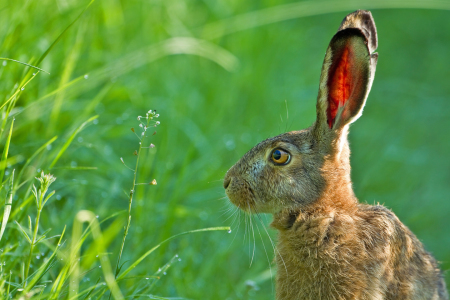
340,81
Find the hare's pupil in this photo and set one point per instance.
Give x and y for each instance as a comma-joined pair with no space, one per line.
277,154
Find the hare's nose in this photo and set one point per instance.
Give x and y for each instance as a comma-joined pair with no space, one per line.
226,182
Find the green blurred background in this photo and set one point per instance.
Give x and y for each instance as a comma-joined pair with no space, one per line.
223,75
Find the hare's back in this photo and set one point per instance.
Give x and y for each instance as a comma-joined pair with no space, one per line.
407,269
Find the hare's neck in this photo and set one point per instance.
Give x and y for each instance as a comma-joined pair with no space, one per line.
307,254
337,193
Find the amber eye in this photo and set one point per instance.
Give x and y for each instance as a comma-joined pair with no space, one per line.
280,157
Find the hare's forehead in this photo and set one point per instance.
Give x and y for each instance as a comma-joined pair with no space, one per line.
295,141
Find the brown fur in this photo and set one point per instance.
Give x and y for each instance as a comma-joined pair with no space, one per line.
330,246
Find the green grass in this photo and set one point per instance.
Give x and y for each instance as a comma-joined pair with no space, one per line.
223,75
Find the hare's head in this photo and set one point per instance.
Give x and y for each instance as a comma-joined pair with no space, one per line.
294,169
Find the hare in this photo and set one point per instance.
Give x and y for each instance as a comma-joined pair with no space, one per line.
329,245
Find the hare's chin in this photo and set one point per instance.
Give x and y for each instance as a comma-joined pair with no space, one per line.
246,204
243,199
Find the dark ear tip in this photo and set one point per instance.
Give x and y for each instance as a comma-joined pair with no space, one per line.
362,20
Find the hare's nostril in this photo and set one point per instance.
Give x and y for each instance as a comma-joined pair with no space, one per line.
226,182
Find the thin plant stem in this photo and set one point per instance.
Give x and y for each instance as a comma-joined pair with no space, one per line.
149,117
130,201
41,199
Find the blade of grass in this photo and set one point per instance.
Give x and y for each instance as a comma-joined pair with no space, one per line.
305,9
165,241
8,204
70,139
59,282
134,60
19,89
31,66
59,89
69,66
44,55
82,217
79,168
109,235
5,154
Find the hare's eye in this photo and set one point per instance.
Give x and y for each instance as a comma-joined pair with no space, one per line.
280,157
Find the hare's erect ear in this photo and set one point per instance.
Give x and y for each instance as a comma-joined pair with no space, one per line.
347,72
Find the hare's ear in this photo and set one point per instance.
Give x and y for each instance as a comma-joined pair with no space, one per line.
347,73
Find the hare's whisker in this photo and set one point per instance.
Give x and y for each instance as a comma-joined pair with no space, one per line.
275,250
265,251
231,214
238,218
253,234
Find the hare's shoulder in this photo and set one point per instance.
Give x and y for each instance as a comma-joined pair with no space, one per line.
408,269
380,226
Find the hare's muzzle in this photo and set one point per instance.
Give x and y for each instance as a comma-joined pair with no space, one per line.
239,192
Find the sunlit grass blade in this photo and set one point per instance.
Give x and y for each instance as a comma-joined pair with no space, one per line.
173,46
138,261
82,217
68,69
69,140
305,9
28,65
78,168
71,83
9,284
150,296
19,89
59,282
5,154
44,55
136,59
8,204
109,235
